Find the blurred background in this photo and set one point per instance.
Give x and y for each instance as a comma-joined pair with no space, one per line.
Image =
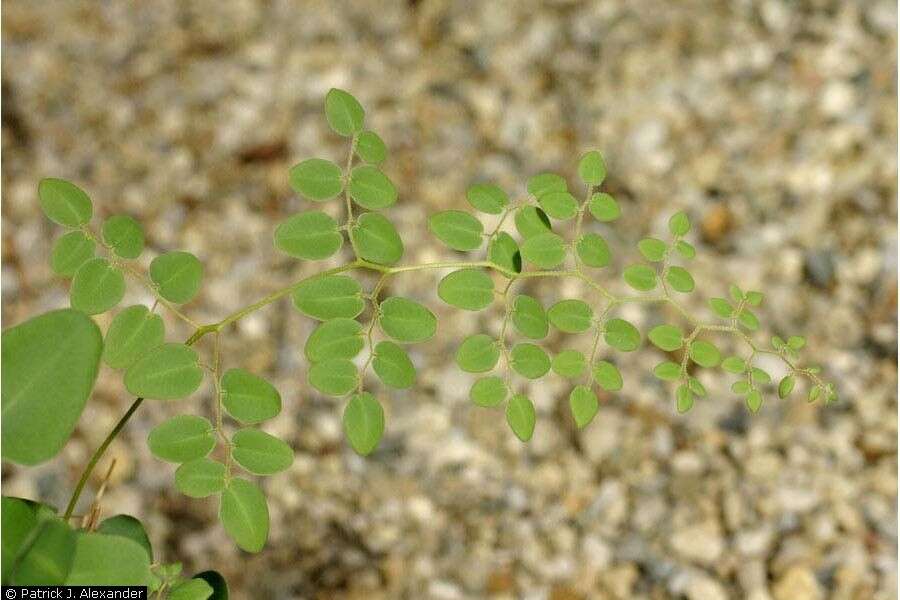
772,123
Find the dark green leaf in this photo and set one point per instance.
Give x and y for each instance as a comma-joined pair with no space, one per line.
97,287
392,365
488,198
249,398
216,582
108,560
244,514
128,527
48,560
376,239
583,404
458,229
18,521
406,321
132,333
182,439
49,364
760,376
559,205
200,478
680,279
504,252
667,371
337,338
529,317
64,203
371,188
569,363
544,183
520,416
652,249
317,179
191,589
363,423
604,207
70,252
124,235
167,372
469,289
704,354
329,297
177,276
571,316
344,113
531,221
786,386
529,360
260,453
478,353
310,235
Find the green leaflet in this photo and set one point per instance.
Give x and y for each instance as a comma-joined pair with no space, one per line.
317,179
622,335
559,205
49,559
370,188
96,287
504,252
748,320
344,113
337,338
248,398
64,203
336,377
70,252
167,372
393,366
666,337
216,582
754,298
405,320
177,276
363,423
244,514
760,376
371,148
592,168
786,386
680,279
721,307
529,317
469,289
124,235
754,401
310,235
684,399
181,439
128,527
604,207
520,416
734,364
200,478
18,519
569,363
487,198
545,250
652,249
696,386
108,560
329,297
531,221
679,224
667,371
376,239
49,364
607,376
571,316
704,354
686,250
133,332
478,353
260,453
545,183
593,250
640,277
192,589
740,387
529,360
583,404
459,230
488,391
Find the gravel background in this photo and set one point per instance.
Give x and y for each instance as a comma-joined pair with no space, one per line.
772,123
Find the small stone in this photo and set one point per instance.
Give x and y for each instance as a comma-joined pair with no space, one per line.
797,583
701,543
